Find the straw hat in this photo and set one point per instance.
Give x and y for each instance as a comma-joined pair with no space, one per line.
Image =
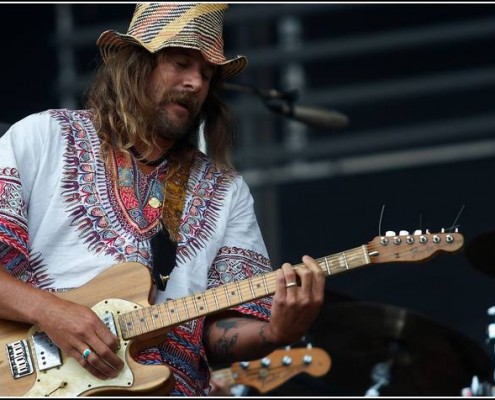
155,26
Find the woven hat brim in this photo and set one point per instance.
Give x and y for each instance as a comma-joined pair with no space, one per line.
111,41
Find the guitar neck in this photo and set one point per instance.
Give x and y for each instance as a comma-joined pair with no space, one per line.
175,312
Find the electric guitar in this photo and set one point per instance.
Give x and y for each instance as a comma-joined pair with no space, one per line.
31,365
276,368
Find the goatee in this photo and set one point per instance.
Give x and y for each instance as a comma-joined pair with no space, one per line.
171,128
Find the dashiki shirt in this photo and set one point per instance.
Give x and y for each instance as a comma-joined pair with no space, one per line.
62,223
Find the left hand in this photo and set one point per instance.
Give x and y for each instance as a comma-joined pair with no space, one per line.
295,307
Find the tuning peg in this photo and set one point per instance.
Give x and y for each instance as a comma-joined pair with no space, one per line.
244,364
403,233
265,362
286,360
390,233
418,232
427,232
307,359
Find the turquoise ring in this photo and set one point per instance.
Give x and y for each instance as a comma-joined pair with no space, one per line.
86,353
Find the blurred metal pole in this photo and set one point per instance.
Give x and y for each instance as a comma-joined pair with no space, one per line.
66,81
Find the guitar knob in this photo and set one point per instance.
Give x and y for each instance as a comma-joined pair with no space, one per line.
286,360
265,362
307,359
244,364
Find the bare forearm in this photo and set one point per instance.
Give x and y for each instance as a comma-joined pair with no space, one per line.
20,302
237,339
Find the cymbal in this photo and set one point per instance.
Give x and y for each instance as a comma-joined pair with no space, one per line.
479,252
416,355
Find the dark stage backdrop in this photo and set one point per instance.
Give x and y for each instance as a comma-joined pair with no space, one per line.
437,309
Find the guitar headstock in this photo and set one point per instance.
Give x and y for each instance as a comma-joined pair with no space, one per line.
280,366
416,247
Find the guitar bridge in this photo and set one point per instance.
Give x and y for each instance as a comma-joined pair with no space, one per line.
20,361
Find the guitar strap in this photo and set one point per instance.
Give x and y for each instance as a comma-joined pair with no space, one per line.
164,242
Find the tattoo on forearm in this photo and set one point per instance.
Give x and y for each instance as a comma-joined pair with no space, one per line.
224,347
227,324
225,344
264,340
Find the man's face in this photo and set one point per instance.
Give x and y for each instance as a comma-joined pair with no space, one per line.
178,86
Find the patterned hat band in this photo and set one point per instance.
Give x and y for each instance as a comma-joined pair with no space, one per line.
156,26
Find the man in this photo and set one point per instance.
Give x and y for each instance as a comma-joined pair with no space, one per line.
83,190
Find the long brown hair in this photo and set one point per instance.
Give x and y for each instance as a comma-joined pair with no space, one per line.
124,114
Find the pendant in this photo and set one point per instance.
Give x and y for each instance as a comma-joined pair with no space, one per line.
154,202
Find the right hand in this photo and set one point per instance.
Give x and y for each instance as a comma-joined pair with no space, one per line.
74,328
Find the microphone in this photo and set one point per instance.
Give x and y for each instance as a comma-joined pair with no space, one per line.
310,115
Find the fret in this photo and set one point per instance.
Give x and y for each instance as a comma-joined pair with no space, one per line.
160,312
166,310
142,319
345,260
214,292
263,278
226,291
174,311
135,327
194,299
186,309
239,290
250,284
204,309
153,317
365,254
327,266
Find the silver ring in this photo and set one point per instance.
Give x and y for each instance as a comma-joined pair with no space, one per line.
86,353
291,284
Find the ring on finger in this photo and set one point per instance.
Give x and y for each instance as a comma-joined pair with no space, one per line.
291,284
86,353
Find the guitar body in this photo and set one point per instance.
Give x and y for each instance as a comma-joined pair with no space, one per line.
122,288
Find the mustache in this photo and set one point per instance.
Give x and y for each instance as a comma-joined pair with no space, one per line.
186,99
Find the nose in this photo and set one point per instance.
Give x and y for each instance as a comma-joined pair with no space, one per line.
193,79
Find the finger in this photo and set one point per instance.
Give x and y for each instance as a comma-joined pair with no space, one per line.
318,275
86,365
290,279
100,364
108,337
78,355
281,290
306,277
104,358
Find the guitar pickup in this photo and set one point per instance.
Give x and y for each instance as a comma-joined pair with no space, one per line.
47,353
109,321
